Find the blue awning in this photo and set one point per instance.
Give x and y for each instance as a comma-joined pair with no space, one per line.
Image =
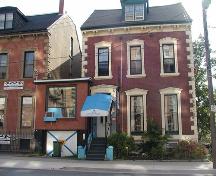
97,105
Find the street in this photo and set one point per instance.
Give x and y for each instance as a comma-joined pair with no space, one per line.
77,172
95,172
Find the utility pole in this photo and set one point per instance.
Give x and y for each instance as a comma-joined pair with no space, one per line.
205,5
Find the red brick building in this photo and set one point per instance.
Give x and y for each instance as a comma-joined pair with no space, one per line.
142,56
29,51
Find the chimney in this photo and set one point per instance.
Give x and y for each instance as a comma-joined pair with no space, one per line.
61,7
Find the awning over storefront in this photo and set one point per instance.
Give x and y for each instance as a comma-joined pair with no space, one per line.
96,105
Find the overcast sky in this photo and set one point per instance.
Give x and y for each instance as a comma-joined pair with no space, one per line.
80,10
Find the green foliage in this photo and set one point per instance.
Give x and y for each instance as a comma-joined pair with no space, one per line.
203,115
190,150
122,144
153,142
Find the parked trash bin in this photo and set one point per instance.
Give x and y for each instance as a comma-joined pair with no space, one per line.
56,149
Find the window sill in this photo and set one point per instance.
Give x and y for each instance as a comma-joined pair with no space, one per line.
136,76
169,74
102,77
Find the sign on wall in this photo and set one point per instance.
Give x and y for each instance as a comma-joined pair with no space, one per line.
13,85
4,139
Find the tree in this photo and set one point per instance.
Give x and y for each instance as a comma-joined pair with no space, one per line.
203,115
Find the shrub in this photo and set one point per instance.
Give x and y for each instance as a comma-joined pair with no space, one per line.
122,144
190,150
153,142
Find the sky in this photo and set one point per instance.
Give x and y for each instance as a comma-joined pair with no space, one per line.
80,10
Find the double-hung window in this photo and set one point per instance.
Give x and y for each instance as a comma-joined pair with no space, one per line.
135,60
136,114
64,98
27,112
6,21
2,111
3,65
171,114
103,61
168,58
134,12
29,58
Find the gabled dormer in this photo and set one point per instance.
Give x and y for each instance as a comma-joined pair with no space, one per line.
135,10
10,18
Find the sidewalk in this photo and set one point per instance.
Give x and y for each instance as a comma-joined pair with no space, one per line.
14,161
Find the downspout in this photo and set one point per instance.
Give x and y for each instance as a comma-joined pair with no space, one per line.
121,95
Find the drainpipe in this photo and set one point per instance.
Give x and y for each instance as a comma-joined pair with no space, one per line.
120,91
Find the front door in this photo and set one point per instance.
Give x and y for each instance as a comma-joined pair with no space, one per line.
101,121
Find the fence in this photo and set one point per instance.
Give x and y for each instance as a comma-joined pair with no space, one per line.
18,142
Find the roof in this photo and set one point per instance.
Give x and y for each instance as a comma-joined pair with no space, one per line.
168,14
36,23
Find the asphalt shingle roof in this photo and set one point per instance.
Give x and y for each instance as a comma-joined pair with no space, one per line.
168,14
36,23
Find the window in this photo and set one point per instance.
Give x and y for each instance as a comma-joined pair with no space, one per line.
71,47
3,66
6,21
28,64
103,62
135,60
136,111
134,12
64,98
168,58
2,111
129,12
171,111
27,112
171,114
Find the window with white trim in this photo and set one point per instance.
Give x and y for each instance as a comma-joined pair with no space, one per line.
134,12
168,57
171,111
171,114
103,60
136,111
2,111
135,59
6,21
136,114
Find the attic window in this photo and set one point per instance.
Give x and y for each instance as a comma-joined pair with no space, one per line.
6,21
134,12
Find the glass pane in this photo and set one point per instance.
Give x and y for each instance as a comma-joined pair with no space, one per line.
139,11
2,21
1,25
3,72
129,12
171,113
29,64
9,20
136,67
2,111
168,51
135,52
9,16
8,24
103,62
137,114
27,111
3,59
29,57
63,97
29,71
169,65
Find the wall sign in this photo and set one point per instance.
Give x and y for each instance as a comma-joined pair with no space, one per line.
13,85
4,139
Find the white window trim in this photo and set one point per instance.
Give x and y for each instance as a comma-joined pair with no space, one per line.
102,44
136,92
168,91
134,13
135,42
169,40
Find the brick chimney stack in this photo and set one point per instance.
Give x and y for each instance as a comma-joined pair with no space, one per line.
61,7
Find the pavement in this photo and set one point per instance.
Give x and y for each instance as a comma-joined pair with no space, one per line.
44,163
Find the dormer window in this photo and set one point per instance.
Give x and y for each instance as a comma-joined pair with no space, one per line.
134,12
6,21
